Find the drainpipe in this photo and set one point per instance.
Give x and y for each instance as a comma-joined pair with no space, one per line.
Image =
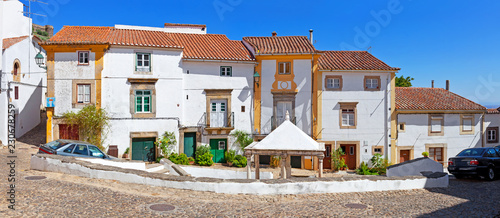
386,119
482,130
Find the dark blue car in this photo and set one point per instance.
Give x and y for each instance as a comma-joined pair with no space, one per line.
476,162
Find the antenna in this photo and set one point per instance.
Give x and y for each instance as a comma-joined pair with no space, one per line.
30,29
368,49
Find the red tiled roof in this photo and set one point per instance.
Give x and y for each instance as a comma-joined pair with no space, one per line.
281,45
409,98
211,46
351,60
7,42
493,111
196,46
189,25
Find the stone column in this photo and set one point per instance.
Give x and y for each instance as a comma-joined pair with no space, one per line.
320,165
288,166
257,170
249,166
283,166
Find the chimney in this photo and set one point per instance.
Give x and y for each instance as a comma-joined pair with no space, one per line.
311,36
432,83
448,85
274,33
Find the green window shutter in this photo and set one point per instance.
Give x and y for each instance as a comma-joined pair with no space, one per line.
136,54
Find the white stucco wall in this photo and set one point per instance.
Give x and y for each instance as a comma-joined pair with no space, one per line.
491,120
372,112
302,72
119,65
417,134
14,23
206,75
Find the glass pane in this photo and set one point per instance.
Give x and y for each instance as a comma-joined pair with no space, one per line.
467,125
287,64
138,92
146,63
146,108
214,107
436,125
280,66
95,152
222,107
81,150
69,149
146,100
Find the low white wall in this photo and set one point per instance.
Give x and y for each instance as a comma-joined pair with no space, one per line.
123,164
223,174
232,187
414,167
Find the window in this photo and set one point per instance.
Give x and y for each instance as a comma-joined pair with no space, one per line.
466,126
222,145
226,71
372,83
83,57
143,62
436,154
351,150
492,134
491,153
284,67
81,150
348,115
402,127
16,69
328,150
378,150
333,83
242,108
83,93
142,101
95,152
16,92
436,125
69,149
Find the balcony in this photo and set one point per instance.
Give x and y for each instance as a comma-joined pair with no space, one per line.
211,124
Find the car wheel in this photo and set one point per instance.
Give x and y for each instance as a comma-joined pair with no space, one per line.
490,175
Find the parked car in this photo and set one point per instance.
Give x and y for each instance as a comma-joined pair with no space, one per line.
73,148
476,162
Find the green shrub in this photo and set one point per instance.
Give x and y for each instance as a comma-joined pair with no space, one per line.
364,170
205,159
190,159
229,155
166,143
242,138
425,154
377,161
240,161
200,150
159,158
337,161
126,151
181,159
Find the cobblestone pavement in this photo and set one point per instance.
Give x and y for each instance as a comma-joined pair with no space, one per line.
61,195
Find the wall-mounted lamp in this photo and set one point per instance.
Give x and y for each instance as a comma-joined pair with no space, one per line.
256,78
39,59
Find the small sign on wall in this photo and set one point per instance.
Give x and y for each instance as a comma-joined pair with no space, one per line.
51,101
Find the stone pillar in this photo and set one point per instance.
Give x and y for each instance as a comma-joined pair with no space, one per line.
288,166
320,166
257,170
283,166
249,166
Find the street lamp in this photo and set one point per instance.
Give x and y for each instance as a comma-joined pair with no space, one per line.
39,59
256,77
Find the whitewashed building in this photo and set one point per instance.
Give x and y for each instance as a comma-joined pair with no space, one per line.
151,80
437,121
22,81
491,125
354,105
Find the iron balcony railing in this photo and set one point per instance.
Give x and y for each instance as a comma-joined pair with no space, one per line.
204,120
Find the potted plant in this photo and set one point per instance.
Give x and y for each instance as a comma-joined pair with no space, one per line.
125,154
425,154
230,155
191,160
342,164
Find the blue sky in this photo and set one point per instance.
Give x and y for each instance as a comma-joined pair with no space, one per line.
428,40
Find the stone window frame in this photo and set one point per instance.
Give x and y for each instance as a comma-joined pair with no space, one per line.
334,77
142,84
464,117
348,105
444,151
218,94
16,74
372,77
496,134
402,129
283,96
74,96
284,62
78,58
150,53
378,147
434,117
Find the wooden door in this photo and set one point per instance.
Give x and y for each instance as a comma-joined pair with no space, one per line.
349,156
404,155
189,144
217,148
327,161
67,131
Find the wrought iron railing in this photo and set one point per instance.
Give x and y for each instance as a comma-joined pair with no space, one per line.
204,120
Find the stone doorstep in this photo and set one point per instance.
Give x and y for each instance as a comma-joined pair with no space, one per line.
68,159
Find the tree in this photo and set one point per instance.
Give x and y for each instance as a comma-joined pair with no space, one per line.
403,82
92,124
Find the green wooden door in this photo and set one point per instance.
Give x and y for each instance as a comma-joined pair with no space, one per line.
217,148
143,149
189,144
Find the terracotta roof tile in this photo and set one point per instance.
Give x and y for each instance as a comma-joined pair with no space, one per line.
196,46
281,45
409,98
351,60
493,111
7,42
